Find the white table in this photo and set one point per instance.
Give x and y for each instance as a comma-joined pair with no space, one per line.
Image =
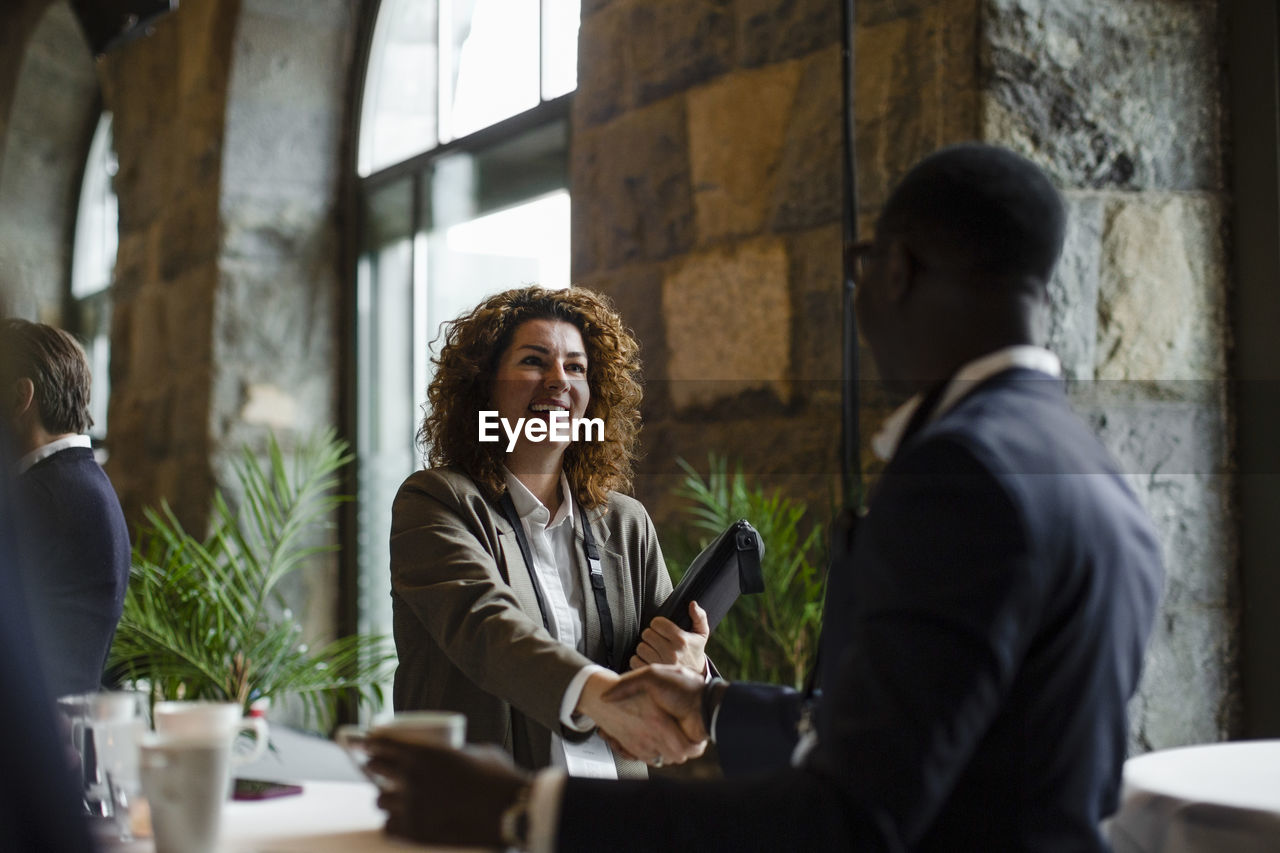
327,817
1217,798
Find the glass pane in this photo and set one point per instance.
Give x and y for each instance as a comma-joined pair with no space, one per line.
467,185
93,323
524,244
93,259
388,389
560,47
93,264
398,118
489,62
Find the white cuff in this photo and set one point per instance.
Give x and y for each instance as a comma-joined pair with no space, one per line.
572,693
544,810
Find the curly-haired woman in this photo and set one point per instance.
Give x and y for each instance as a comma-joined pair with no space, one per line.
522,577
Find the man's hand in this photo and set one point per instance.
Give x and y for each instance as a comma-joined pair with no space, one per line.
437,795
673,690
664,642
635,723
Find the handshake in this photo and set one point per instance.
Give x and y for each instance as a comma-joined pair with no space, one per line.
654,714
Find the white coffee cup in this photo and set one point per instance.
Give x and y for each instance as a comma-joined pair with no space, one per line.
212,719
439,728
184,777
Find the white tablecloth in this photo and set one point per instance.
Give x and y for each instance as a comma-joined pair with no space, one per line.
1217,798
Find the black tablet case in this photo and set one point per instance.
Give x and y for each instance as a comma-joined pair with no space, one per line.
729,566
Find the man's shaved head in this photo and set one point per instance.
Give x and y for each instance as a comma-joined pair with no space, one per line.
980,210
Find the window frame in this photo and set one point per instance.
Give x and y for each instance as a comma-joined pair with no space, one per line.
356,193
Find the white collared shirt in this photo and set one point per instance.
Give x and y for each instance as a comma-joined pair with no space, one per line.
551,545
885,442
45,451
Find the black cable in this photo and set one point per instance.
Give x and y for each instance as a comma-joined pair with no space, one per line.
850,423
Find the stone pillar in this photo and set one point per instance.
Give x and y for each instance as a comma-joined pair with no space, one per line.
276,348
168,94
277,336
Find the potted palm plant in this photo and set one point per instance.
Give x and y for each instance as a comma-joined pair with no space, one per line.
204,618
772,636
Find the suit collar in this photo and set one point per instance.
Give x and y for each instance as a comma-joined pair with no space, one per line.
924,408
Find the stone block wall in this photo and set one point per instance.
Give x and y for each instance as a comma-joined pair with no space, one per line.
705,172
1122,104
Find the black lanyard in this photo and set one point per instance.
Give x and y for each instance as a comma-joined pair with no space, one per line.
593,564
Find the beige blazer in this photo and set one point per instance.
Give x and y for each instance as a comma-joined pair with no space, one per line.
468,641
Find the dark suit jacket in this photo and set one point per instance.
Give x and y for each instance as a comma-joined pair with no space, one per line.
983,634
469,641
76,551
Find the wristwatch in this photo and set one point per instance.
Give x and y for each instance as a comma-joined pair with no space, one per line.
513,826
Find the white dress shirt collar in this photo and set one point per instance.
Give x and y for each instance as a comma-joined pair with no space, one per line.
527,504
885,442
45,451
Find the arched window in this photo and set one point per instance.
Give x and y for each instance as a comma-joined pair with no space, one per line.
463,191
93,263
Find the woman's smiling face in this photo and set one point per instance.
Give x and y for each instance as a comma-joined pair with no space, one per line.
544,369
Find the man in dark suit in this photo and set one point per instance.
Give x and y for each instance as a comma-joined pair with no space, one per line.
75,544
984,629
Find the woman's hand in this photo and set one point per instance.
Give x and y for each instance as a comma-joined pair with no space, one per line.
664,642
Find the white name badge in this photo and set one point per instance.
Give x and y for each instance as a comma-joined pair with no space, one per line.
591,758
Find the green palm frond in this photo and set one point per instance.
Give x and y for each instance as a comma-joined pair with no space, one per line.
772,636
204,618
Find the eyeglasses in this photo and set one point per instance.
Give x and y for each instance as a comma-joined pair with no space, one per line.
861,255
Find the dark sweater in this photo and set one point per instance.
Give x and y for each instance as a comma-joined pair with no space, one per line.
40,807
75,546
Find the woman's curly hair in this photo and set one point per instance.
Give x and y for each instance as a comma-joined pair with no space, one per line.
463,386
